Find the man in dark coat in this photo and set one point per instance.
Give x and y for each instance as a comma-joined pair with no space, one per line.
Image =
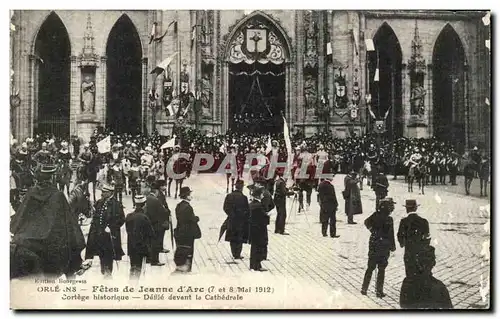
163,200
381,242
238,214
328,207
140,235
380,186
46,238
104,235
413,235
186,232
258,229
159,217
423,291
280,195
352,196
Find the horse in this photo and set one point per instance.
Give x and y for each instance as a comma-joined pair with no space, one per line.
364,172
63,176
418,172
180,167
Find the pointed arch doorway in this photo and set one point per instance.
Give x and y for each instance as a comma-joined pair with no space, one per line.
448,89
52,54
124,78
257,55
386,91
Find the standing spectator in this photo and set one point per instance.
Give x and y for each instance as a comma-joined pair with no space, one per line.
381,228
280,196
380,186
186,232
140,235
423,291
413,235
159,217
352,196
328,207
238,213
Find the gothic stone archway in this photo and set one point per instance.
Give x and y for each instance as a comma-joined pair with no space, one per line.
256,71
52,86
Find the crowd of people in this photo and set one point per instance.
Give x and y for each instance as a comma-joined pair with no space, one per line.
136,165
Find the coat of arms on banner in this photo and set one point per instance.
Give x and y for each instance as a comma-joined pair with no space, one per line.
379,126
340,92
256,40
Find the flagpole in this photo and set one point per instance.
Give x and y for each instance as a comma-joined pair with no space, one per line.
378,85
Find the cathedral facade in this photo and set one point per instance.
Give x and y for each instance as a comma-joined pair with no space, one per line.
405,73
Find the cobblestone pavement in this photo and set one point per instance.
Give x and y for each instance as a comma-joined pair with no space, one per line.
459,228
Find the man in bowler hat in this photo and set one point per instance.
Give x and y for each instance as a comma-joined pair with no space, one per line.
413,235
159,217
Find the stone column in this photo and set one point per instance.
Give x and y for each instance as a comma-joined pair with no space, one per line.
146,113
300,113
429,101
101,112
75,97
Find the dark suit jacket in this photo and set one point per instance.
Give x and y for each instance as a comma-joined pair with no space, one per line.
156,212
382,234
326,196
413,232
238,212
258,223
187,222
139,233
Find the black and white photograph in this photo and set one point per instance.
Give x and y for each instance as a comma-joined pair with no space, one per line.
250,159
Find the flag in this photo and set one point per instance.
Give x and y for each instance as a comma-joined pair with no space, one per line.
160,68
269,147
487,43
376,77
329,50
354,33
104,146
172,109
153,33
369,45
170,143
371,112
387,113
159,39
486,19
288,143
12,27
487,101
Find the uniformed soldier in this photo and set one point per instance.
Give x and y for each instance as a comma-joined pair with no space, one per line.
453,168
380,187
381,243
413,235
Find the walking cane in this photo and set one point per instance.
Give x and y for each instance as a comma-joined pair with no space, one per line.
113,248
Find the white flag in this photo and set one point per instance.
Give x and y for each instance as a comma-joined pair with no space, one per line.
222,148
329,50
163,65
170,143
288,143
355,37
369,45
487,43
376,77
486,19
371,112
269,147
487,101
104,146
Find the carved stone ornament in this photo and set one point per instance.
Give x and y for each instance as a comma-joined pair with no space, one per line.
256,41
311,52
88,56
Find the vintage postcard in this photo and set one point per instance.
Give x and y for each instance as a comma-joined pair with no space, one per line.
250,159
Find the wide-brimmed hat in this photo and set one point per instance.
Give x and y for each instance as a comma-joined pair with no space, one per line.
411,203
48,169
107,188
185,191
140,199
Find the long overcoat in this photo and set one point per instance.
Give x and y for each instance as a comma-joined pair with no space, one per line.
238,214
